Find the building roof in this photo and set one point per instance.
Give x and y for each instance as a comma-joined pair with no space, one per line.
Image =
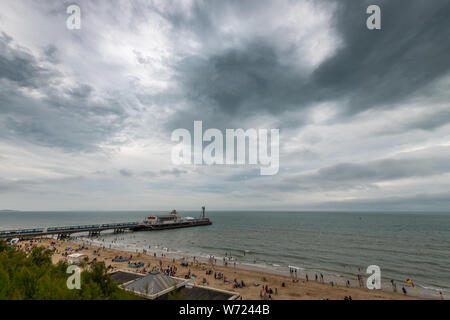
159,286
201,293
76,255
125,276
153,283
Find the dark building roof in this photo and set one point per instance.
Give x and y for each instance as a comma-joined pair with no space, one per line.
153,283
198,293
124,277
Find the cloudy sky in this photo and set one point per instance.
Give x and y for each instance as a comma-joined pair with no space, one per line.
86,115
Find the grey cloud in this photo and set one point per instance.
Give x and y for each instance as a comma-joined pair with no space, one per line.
238,84
380,67
7,186
434,120
125,173
243,176
372,69
63,118
149,174
303,154
141,58
5,38
364,175
81,92
435,202
175,172
19,66
51,54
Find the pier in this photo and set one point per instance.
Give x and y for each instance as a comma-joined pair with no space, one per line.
150,223
95,229
65,232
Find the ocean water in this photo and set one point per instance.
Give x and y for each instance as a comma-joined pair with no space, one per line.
403,245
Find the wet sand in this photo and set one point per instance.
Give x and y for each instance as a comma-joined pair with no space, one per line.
254,280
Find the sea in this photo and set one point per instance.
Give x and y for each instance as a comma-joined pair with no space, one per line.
340,245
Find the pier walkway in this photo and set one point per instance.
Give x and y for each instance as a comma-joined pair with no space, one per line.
63,232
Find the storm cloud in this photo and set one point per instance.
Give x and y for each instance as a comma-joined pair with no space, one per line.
368,70
61,116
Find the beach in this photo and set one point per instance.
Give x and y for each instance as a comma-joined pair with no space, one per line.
340,246
283,287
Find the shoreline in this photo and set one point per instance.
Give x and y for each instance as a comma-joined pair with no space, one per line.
253,276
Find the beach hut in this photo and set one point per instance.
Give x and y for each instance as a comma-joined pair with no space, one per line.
75,258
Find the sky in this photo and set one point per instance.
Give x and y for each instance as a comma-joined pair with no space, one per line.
86,116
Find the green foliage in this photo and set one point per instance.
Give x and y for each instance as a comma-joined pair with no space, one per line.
33,276
40,256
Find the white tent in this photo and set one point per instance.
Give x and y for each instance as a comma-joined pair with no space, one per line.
75,258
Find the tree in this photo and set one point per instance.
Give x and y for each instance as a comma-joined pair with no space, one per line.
33,276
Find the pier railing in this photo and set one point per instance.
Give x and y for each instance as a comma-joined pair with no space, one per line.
66,230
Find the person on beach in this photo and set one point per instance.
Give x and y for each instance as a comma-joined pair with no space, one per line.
394,286
404,290
307,279
442,296
316,277
360,279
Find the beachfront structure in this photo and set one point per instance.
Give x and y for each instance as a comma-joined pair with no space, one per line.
173,216
158,286
171,221
75,258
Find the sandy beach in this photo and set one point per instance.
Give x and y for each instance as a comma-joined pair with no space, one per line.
283,287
